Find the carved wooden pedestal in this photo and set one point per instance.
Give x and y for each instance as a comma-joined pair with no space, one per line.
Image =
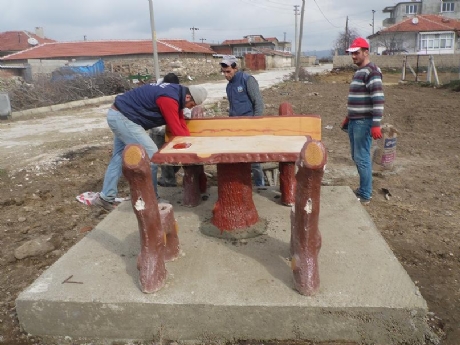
305,235
136,169
234,214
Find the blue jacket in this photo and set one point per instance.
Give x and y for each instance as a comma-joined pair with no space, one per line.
139,104
237,94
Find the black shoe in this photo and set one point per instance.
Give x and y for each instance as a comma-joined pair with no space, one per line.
166,184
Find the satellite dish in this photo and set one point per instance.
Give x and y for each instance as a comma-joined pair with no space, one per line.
32,41
415,20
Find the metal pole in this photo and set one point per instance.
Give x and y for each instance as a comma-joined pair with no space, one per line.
154,42
373,11
295,42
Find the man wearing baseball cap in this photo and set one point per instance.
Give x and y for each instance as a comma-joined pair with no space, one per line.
135,112
365,109
244,98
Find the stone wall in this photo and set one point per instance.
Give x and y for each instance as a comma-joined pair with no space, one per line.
181,64
443,61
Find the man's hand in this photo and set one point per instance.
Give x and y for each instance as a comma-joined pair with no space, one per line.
376,133
344,125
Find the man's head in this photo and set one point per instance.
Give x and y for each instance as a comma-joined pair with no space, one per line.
228,66
196,95
171,78
359,50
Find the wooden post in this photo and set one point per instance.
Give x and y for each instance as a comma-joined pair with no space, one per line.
305,236
136,169
287,170
170,229
403,71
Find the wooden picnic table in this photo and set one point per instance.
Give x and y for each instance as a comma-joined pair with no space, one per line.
234,213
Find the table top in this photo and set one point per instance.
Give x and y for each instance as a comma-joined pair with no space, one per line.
235,149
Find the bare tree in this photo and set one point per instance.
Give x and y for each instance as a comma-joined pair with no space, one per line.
344,40
393,43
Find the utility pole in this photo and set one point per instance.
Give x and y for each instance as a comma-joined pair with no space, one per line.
202,39
373,11
154,42
296,13
297,66
193,33
347,38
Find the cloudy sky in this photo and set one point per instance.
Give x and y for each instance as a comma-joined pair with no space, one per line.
215,20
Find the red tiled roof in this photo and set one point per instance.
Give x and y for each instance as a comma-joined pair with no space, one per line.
250,39
426,22
17,40
274,52
107,48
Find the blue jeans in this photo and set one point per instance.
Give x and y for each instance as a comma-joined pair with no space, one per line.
257,175
359,132
125,132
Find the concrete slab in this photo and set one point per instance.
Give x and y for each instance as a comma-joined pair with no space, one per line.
226,290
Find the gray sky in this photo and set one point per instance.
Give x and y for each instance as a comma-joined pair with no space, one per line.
216,20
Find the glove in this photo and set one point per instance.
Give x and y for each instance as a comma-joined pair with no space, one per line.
376,133
344,125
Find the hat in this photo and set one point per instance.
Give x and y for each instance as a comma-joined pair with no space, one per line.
228,60
198,93
357,44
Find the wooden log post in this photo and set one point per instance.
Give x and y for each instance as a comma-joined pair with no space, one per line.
136,169
287,169
305,236
195,181
234,208
170,229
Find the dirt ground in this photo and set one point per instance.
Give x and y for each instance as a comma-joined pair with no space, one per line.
419,221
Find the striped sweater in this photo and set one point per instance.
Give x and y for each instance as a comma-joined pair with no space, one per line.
366,99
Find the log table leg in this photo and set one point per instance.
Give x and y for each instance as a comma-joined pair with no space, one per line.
305,235
136,169
287,170
234,214
287,183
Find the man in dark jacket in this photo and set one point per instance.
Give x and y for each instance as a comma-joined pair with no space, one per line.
245,100
136,111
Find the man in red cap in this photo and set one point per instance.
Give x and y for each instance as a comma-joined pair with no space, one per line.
365,110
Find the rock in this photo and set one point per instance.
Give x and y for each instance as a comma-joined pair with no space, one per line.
37,247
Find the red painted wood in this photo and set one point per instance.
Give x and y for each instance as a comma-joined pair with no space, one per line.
234,208
191,183
305,235
136,169
287,170
170,228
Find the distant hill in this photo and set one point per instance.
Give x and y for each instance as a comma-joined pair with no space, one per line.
319,53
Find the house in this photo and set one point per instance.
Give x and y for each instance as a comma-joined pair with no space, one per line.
420,34
127,57
407,9
250,43
15,41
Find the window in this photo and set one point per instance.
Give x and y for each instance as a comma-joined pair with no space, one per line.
411,9
447,7
436,41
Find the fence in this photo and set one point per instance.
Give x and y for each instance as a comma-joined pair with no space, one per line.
447,65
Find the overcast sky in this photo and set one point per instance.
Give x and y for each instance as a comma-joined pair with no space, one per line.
216,20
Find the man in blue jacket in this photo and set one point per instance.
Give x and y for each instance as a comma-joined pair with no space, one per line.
245,100
135,112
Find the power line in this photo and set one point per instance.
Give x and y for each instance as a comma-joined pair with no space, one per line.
324,15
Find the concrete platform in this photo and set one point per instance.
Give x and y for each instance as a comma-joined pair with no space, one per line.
228,290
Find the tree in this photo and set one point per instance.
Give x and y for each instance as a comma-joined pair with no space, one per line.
344,40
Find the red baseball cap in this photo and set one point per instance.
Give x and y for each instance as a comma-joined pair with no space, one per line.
357,44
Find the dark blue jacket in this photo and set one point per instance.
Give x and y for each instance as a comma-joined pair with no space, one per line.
139,104
237,94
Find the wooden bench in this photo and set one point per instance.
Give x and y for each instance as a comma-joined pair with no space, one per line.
233,143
